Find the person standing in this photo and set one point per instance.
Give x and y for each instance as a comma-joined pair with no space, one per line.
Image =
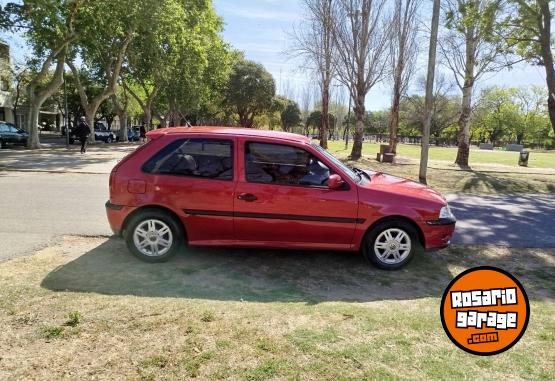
142,133
82,133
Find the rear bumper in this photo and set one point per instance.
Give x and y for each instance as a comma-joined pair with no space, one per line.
116,216
438,234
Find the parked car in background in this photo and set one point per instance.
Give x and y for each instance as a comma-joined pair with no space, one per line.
10,134
132,135
216,186
101,133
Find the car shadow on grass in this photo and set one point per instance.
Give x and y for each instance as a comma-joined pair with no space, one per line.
291,276
249,275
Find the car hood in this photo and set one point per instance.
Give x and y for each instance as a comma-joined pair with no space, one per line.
398,185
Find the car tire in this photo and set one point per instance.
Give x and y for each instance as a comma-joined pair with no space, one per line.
391,244
153,235
109,139
2,144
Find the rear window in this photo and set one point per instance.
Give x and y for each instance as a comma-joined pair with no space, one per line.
207,158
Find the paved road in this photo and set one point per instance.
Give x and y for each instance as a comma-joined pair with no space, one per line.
35,208
517,221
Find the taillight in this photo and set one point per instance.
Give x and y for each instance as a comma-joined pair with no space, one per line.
112,179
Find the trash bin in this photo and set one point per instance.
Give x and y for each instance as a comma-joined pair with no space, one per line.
523,158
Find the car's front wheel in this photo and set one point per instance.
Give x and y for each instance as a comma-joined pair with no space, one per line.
153,235
391,244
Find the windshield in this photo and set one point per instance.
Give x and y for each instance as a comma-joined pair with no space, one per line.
352,174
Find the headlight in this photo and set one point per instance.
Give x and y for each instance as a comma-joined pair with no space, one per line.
445,212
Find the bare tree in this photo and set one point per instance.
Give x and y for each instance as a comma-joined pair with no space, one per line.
404,51
472,47
361,33
314,42
306,103
429,94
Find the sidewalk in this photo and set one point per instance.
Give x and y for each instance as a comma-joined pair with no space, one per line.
99,159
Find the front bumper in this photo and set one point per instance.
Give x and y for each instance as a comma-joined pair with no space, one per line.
438,233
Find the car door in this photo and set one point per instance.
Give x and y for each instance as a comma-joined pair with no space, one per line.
194,176
282,197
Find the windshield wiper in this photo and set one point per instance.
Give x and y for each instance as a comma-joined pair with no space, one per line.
361,172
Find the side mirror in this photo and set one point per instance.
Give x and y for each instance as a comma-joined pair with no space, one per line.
335,182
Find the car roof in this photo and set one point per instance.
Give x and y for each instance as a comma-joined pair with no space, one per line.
236,131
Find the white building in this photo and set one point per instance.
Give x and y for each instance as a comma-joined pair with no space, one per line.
51,116
6,106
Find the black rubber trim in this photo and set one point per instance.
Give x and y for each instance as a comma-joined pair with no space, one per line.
291,217
109,205
442,221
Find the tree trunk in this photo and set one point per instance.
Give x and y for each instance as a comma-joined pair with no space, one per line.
394,119
466,105
356,152
37,98
146,105
547,57
325,119
33,121
464,126
90,113
123,137
429,94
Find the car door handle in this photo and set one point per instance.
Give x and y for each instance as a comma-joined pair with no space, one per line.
247,197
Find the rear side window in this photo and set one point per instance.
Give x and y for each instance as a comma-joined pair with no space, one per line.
208,158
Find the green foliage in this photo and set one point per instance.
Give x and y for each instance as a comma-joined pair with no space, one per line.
197,61
476,31
524,23
517,115
290,113
51,331
445,112
250,91
208,316
315,119
74,318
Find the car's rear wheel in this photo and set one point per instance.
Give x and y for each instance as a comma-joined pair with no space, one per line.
109,140
391,244
153,235
2,144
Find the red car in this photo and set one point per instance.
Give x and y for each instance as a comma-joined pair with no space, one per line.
216,186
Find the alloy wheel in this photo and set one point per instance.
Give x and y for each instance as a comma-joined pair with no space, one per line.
392,246
153,238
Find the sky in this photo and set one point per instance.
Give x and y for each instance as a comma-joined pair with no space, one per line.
261,29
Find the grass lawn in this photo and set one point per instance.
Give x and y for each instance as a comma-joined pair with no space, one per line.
466,182
538,159
88,310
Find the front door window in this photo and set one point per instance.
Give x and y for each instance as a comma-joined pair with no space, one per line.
284,165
